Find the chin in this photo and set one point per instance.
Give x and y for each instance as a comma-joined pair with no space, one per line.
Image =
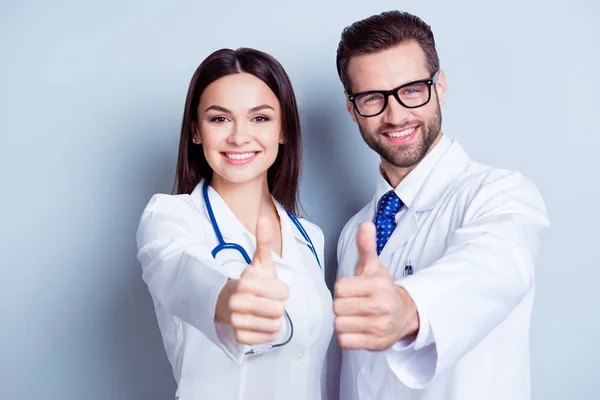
240,176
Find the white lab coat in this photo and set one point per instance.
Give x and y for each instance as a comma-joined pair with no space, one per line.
471,234
175,238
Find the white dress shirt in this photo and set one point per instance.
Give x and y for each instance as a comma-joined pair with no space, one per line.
175,238
471,234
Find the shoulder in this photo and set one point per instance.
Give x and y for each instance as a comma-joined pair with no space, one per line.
463,177
167,205
483,187
168,216
480,177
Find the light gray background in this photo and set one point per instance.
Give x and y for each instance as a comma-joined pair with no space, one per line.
91,99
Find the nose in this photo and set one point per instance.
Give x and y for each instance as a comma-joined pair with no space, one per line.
395,113
240,135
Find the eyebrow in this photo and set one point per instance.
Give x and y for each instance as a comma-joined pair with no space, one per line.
252,110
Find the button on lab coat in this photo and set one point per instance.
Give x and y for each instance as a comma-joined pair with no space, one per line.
472,235
175,238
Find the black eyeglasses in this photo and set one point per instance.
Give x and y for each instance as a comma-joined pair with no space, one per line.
410,95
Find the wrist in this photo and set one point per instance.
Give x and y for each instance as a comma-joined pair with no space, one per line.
222,310
410,324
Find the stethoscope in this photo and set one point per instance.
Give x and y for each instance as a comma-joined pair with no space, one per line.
233,246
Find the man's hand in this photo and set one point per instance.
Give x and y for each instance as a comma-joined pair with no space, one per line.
372,312
255,306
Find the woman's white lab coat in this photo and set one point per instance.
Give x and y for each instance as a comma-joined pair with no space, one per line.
471,234
175,238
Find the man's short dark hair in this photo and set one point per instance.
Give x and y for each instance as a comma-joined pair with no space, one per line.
381,32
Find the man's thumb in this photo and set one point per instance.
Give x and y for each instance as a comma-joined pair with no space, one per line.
366,243
264,238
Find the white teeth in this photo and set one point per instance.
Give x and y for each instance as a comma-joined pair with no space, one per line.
239,156
405,132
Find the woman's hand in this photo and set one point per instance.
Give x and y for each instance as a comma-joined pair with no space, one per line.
254,303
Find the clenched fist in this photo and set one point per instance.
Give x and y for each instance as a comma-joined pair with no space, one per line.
372,312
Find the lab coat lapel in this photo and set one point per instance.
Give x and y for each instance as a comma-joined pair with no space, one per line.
234,232
291,239
288,226
452,163
403,232
231,228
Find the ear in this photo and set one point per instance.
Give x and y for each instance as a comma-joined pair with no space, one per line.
440,87
282,138
196,132
350,107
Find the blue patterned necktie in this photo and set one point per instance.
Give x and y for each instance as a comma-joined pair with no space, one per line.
385,221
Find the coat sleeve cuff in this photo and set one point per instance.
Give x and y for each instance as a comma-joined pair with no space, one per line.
226,338
414,360
222,335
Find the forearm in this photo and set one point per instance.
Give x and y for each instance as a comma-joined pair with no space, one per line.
187,287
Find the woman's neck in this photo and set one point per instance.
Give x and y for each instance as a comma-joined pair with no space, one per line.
247,200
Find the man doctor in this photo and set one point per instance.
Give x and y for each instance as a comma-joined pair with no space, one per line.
436,274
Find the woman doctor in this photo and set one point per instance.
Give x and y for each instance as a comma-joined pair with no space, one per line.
236,279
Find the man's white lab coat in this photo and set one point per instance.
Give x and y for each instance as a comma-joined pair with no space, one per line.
471,234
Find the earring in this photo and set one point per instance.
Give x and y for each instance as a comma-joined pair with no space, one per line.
193,140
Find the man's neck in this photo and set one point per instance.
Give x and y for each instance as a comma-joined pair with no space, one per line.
394,175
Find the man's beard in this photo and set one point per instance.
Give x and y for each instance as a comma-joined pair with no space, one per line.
404,156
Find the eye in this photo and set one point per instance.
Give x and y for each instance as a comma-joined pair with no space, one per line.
370,98
260,118
219,119
414,90
373,98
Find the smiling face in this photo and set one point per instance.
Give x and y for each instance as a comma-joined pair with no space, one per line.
239,127
401,136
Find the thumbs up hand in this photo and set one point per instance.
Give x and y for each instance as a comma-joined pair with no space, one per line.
368,260
256,304
372,312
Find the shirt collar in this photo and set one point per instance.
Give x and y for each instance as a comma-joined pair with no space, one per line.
410,186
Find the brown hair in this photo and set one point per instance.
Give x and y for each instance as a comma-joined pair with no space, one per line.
381,32
283,175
